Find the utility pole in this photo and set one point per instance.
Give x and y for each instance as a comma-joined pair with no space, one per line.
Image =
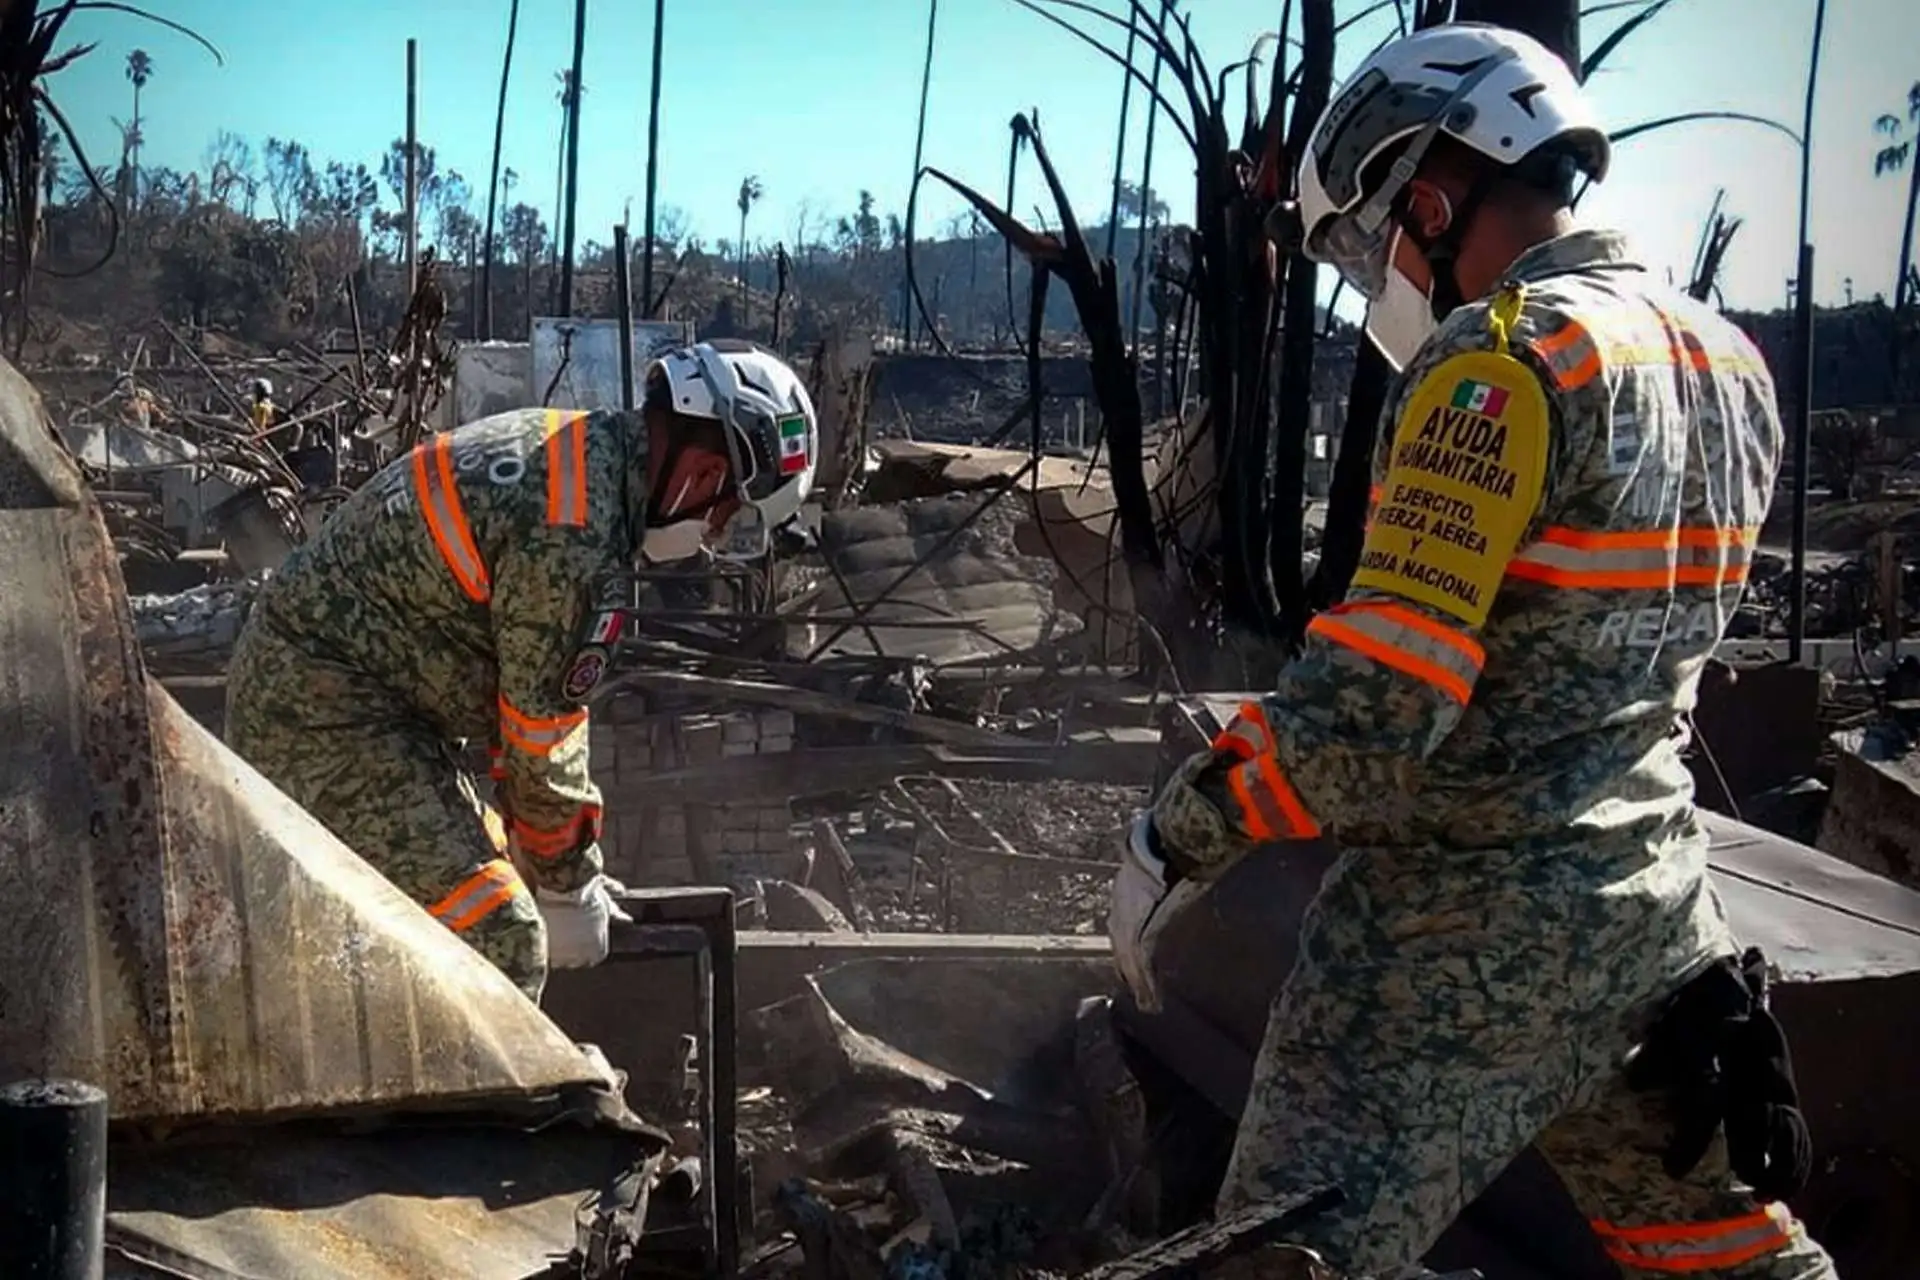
493,181
1800,361
623,287
653,159
413,168
573,155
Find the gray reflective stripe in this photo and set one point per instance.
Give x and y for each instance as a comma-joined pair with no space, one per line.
1702,554
1462,657
538,736
1709,1246
566,462
495,880
1261,798
1558,555
440,503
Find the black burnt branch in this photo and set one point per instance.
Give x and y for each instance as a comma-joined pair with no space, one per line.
1093,284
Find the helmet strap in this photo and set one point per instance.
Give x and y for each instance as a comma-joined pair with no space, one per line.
1442,252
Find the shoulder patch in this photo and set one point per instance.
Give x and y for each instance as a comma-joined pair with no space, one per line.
599,639
1464,478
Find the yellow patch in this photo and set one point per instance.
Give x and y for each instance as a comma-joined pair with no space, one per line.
1463,481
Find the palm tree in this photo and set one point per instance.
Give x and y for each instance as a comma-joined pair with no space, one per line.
139,71
1895,156
750,193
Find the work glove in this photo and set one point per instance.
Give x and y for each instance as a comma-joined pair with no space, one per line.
577,922
1142,904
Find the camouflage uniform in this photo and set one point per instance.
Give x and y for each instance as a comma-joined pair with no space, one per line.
1525,878
460,596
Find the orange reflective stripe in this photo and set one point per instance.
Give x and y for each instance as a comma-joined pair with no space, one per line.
473,899
1246,735
446,520
546,843
566,469
496,768
1643,559
537,736
1397,637
1703,1246
1570,355
1269,807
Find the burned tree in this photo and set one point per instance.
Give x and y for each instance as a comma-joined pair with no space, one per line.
27,57
1223,559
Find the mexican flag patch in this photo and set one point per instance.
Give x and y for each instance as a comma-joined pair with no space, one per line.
793,445
1479,397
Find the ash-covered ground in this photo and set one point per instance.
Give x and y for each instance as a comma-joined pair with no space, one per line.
907,888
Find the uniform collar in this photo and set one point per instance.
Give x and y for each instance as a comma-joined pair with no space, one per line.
1579,250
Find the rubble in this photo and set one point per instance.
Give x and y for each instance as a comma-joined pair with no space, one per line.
195,628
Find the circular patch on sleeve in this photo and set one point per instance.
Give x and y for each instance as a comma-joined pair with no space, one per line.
584,673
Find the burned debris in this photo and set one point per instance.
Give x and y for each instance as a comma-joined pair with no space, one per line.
864,796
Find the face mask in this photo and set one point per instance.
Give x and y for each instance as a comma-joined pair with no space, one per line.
1401,319
681,540
745,536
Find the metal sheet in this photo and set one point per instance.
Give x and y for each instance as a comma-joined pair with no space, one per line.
198,945
485,1204
585,354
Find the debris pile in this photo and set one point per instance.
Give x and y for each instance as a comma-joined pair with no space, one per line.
194,630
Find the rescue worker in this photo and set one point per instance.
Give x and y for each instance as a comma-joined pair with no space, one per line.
260,408
1574,464
474,591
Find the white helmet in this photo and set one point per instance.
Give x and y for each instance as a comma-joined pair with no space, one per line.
1501,93
261,389
774,441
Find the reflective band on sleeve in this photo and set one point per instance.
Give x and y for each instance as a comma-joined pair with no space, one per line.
1269,807
1637,561
1570,355
534,735
1246,735
1692,1247
1397,637
478,896
566,469
547,844
446,520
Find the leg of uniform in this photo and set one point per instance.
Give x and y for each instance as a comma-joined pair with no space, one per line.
1410,1116
390,790
1608,1152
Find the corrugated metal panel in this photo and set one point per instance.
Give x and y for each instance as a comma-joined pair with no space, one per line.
197,944
478,1204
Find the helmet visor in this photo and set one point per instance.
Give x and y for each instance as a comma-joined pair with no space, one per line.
1358,253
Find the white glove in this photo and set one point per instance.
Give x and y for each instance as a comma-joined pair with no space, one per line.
1139,911
577,922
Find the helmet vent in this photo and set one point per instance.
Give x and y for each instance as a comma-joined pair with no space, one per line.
1523,96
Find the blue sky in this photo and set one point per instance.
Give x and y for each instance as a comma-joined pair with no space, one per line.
818,98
